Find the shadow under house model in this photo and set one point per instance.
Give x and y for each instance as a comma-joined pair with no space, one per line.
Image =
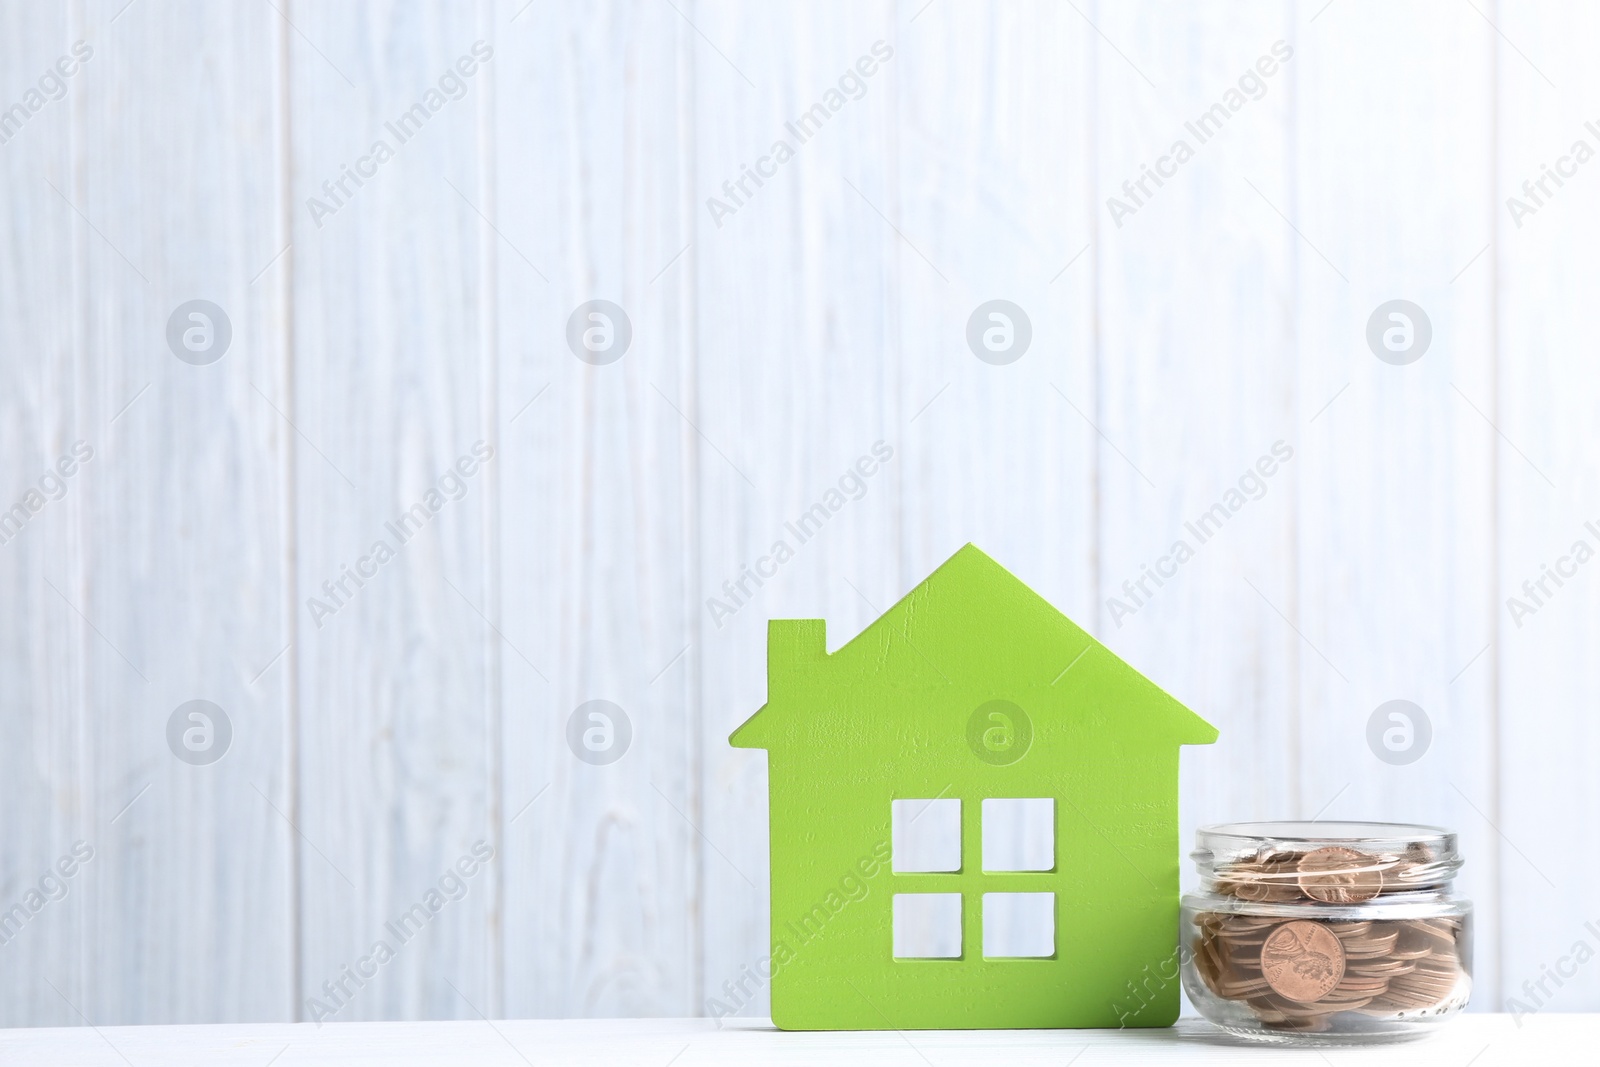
906,770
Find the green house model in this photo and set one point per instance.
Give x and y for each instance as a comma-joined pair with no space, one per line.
974,812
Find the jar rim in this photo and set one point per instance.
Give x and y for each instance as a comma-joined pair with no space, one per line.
1317,831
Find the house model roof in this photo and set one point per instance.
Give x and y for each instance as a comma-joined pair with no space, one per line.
970,631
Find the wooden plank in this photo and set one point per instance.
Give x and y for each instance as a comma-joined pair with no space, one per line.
41,641
993,114
1395,537
1195,316
591,183
175,191
387,399
1542,394
797,378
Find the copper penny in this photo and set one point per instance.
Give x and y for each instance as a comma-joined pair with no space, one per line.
1302,961
1339,876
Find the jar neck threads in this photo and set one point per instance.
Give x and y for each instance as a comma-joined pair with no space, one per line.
1325,863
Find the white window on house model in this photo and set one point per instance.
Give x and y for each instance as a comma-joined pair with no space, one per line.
925,836
1017,835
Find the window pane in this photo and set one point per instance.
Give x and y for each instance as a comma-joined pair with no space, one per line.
1019,835
927,835
1019,925
927,925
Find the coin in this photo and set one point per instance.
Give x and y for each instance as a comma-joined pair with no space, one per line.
1304,981
1302,961
1339,876
1390,967
1376,946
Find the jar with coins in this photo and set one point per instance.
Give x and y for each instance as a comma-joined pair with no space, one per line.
1307,932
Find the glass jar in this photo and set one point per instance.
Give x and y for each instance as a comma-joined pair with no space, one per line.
1305,932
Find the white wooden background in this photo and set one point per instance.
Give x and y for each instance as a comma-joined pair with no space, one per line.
768,353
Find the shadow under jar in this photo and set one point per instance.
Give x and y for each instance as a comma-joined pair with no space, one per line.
1322,932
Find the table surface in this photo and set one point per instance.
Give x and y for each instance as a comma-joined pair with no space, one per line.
1478,1040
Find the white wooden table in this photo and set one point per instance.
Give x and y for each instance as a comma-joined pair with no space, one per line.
1478,1040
